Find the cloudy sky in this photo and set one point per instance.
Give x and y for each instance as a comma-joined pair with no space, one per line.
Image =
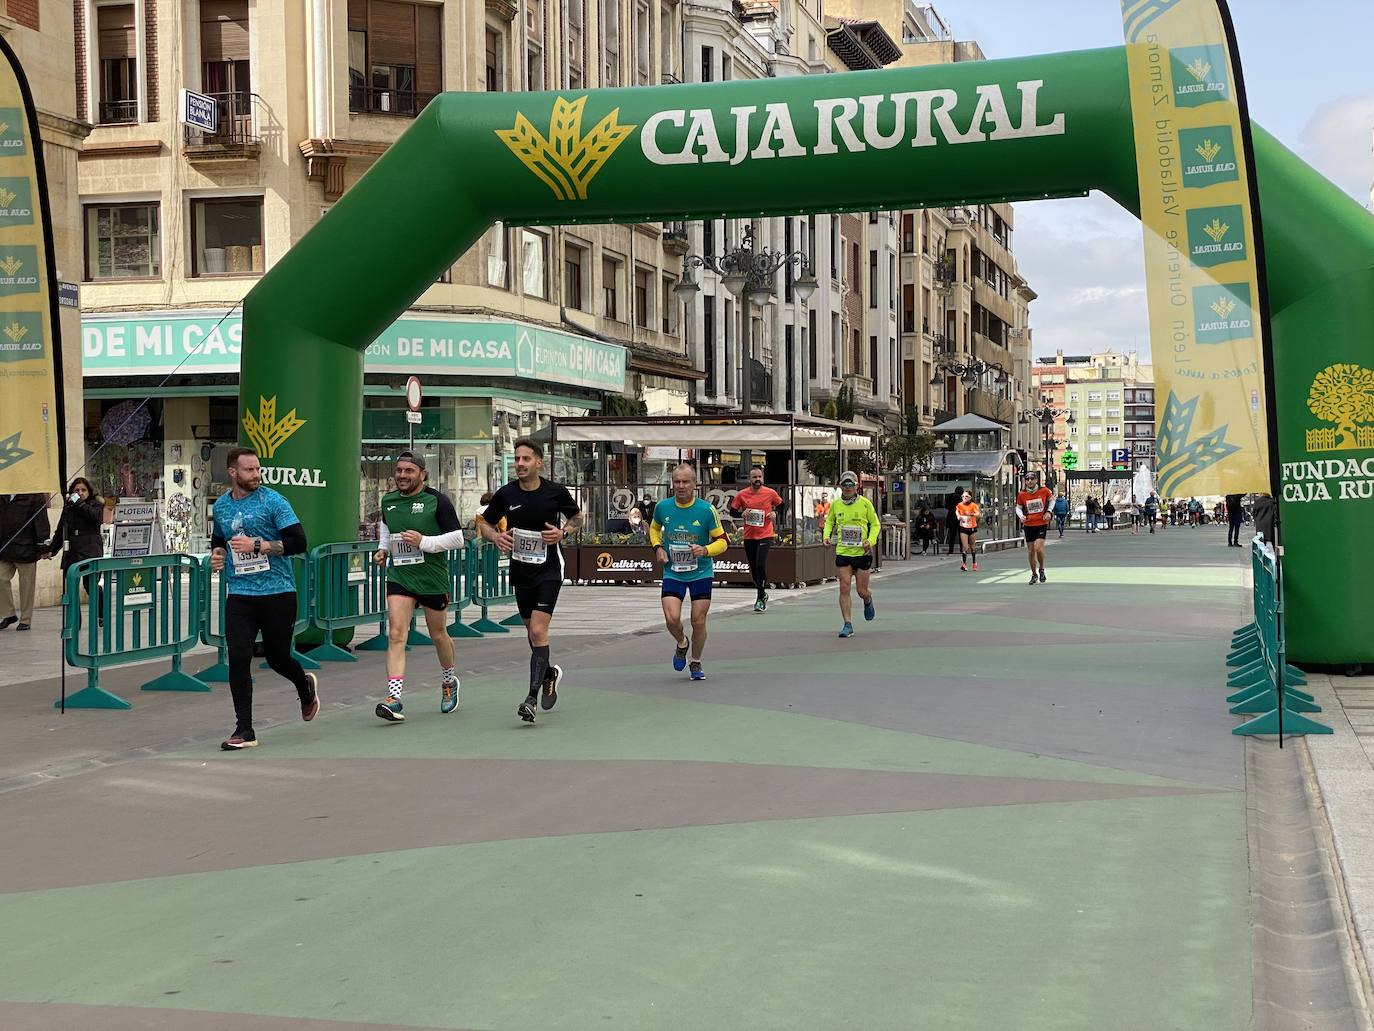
1309,80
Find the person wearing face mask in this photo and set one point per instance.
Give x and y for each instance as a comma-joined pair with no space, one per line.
967,513
77,536
852,527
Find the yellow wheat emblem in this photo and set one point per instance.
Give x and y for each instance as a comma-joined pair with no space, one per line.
1216,229
267,432
16,331
11,265
1207,150
7,197
4,128
1223,307
1199,69
566,161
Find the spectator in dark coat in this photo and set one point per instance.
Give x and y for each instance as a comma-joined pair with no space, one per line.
23,533
77,535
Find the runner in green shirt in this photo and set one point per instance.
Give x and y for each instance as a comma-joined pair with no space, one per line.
852,527
419,527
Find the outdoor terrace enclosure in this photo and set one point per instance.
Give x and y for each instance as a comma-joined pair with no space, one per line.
1019,129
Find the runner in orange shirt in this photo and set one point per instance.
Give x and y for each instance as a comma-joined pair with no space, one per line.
1033,509
968,513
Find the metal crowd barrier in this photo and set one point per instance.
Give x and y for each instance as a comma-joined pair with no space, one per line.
350,591
491,586
141,608
1269,688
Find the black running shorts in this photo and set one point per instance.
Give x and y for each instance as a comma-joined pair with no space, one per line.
541,595
1035,533
859,562
438,602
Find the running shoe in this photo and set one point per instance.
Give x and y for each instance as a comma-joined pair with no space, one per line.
697,672
758,605
764,602
551,679
528,708
1042,576
847,630
975,567
963,568
870,612
680,657
239,739
448,696
390,710
311,709
1034,580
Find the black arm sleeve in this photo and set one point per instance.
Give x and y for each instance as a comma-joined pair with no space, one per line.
293,539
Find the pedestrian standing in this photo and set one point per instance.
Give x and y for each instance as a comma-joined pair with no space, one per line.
1151,511
1135,516
1235,516
1109,513
925,527
256,530
952,520
1061,513
23,532
1091,509
77,536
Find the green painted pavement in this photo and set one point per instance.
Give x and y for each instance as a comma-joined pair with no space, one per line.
817,619
594,724
1086,915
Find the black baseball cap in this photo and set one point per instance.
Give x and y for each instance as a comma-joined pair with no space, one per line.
411,457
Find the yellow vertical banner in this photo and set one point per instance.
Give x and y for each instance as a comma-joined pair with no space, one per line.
30,374
1202,279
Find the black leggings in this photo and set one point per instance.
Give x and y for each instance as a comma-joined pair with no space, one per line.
274,616
756,551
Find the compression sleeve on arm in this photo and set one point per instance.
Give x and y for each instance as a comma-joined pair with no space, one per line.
293,539
655,534
450,535
1020,513
383,536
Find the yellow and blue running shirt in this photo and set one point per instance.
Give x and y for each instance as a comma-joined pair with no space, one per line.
677,528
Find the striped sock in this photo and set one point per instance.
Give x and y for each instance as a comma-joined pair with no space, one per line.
394,685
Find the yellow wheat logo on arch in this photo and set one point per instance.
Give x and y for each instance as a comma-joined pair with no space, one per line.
566,161
265,430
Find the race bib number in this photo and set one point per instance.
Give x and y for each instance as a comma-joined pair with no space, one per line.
529,547
681,559
968,522
403,554
753,517
852,535
1035,506
247,565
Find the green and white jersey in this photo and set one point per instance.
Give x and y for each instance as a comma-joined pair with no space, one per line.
432,515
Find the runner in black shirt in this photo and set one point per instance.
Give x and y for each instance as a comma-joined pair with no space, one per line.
533,508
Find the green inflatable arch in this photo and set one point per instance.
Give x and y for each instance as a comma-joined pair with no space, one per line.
1009,130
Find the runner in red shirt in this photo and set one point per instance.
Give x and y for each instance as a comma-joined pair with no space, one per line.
1033,509
755,506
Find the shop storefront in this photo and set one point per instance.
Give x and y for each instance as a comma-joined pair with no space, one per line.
486,383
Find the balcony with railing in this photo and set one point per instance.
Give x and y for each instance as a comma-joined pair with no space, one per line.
117,112
675,238
238,136
374,100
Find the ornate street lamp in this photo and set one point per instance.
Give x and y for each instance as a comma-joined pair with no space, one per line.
745,271
1046,415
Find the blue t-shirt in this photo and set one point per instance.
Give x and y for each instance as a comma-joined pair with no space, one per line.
263,513
693,524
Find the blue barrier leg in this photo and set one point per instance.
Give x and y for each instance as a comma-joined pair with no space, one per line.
93,696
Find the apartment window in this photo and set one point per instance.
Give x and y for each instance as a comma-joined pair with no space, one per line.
226,236
873,218
856,354
908,233
667,70
725,66
395,56
117,46
908,308
872,279
643,297
610,288
708,343
789,352
708,59
1094,431
1094,413
534,264
669,305
1113,413
642,23
496,62
812,365
1095,447
574,259
534,44
1113,431
497,257
1073,396
225,73
873,359
1094,395
122,241
575,14
1113,395
610,42
892,282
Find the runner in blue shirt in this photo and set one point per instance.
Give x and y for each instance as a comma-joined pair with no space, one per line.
687,535
255,528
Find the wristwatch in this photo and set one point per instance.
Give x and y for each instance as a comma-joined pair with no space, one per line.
257,546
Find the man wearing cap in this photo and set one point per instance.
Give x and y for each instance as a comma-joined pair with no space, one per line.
852,526
418,529
1033,509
